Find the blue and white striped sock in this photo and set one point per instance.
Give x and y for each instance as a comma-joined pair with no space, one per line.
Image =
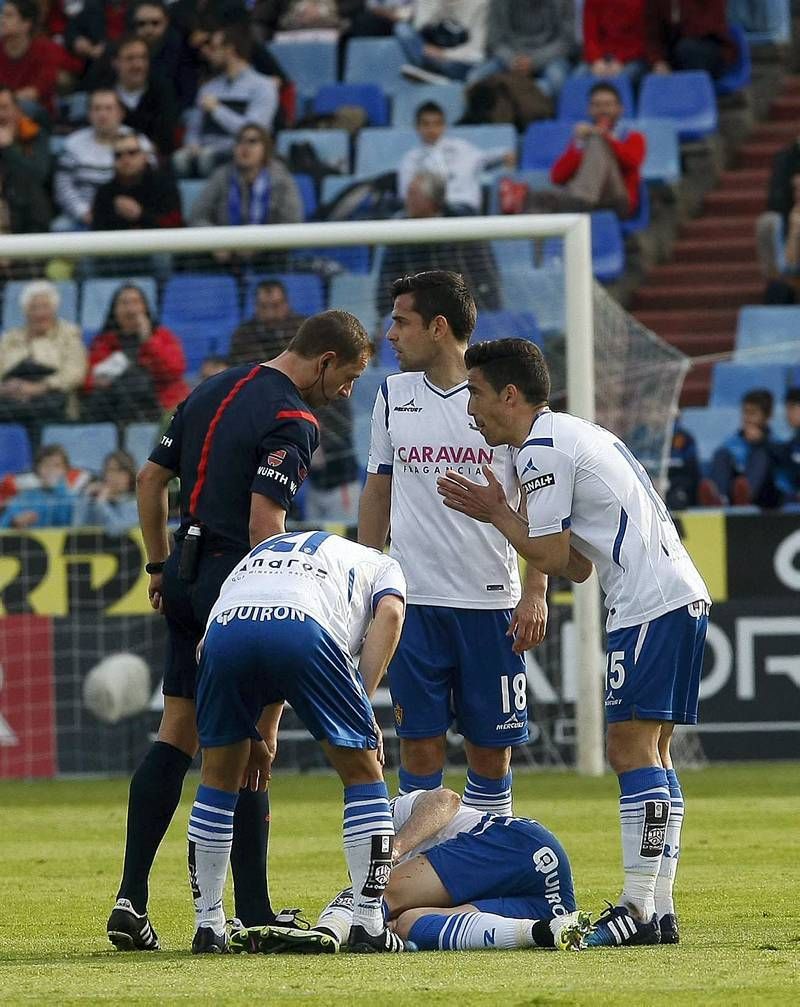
470,932
210,837
665,881
368,835
643,813
408,782
485,794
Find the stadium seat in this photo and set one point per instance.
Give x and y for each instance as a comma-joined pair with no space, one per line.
710,426
573,102
308,194
203,310
686,96
738,75
355,292
730,381
370,97
768,333
494,136
765,22
15,448
512,252
366,388
543,143
97,295
640,221
375,59
507,325
14,316
662,162
608,247
86,444
540,291
189,189
307,64
303,290
139,440
408,98
362,432
379,150
330,145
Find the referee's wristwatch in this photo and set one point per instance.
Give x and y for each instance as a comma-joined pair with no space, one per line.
154,567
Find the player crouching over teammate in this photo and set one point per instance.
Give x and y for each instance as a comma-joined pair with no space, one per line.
287,625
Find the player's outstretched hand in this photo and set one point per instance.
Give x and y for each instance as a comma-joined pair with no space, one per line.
259,767
483,503
528,623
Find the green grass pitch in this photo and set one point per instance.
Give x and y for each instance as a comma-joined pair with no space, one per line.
60,853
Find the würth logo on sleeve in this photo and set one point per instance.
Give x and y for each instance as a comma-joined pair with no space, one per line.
275,458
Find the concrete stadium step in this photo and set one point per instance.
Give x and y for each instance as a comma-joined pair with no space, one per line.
785,108
776,132
736,200
718,295
675,323
716,272
705,251
757,155
745,178
696,386
701,344
719,229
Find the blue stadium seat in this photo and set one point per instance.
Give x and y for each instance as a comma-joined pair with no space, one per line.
379,149
303,290
573,102
686,96
512,252
189,189
738,75
97,295
308,194
332,185
86,444
375,59
355,292
362,433
203,310
492,136
540,291
331,145
662,162
366,388
730,381
768,333
308,64
139,440
544,142
767,21
408,98
370,97
15,448
640,221
710,426
507,325
608,247
14,316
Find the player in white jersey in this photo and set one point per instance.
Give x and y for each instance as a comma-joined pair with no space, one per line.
288,624
590,502
461,652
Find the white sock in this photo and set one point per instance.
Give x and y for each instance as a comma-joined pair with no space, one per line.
368,839
643,812
665,881
471,932
210,837
337,916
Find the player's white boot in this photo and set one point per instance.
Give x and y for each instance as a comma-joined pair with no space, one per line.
570,931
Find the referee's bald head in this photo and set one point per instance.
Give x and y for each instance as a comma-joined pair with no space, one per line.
332,331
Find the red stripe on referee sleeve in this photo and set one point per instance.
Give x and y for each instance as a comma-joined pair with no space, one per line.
297,414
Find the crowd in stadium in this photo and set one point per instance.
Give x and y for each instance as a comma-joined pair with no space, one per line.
117,115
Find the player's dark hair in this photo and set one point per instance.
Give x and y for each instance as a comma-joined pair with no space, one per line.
604,86
440,292
761,398
512,362
426,108
792,397
336,331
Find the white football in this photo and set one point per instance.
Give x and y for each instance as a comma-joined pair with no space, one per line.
117,687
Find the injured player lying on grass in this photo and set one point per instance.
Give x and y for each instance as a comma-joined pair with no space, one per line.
461,879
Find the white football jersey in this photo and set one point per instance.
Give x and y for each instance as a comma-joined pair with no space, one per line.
336,582
580,476
418,433
463,820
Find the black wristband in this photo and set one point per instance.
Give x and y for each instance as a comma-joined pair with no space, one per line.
154,567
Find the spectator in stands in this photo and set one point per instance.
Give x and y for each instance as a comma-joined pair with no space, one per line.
778,228
745,468
25,160
212,365
446,39
87,162
380,17
237,96
457,161
138,196
601,166
92,26
110,502
690,35
683,474
425,198
171,58
614,38
149,102
47,502
270,330
42,363
136,366
790,451
30,64
534,39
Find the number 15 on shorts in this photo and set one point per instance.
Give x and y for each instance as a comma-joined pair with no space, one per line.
615,669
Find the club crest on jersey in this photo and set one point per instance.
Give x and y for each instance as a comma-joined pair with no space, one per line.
408,407
539,482
275,458
398,714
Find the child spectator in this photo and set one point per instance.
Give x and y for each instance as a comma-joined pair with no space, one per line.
48,500
110,502
683,474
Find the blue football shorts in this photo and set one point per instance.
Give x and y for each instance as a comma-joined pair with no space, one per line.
653,670
457,664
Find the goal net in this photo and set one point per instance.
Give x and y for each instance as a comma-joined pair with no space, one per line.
81,653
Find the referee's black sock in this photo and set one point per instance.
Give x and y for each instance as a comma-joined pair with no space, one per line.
153,797
249,859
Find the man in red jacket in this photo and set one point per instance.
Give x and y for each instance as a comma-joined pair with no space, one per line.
30,64
600,169
688,35
614,38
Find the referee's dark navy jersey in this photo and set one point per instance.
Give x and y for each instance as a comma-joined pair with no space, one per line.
262,438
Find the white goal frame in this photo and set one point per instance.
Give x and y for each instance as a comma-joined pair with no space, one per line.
573,228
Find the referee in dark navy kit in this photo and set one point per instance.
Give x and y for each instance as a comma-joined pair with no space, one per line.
241,445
